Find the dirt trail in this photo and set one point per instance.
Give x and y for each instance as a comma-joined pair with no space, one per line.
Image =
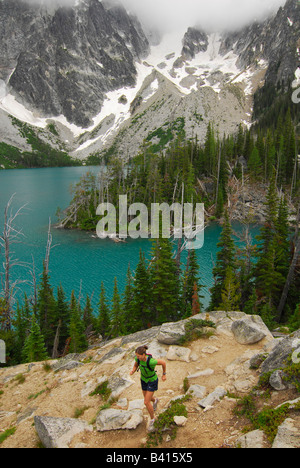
59,394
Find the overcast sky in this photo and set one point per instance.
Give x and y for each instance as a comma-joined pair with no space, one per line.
216,14
169,15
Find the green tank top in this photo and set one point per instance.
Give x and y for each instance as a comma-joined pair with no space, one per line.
148,375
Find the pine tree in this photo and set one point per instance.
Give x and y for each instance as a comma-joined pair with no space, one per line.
141,315
196,307
103,320
230,295
282,259
127,303
88,317
21,326
34,348
78,342
191,277
46,310
250,306
165,292
255,164
289,146
240,142
267,280
64,315
210,151
226,258
117,326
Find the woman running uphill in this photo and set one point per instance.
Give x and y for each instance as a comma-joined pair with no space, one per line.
149,379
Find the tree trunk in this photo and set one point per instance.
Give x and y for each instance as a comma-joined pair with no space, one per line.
56,341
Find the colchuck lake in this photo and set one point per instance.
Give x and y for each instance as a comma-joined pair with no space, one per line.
79,260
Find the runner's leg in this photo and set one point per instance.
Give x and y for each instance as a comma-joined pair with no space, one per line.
148,398
152,399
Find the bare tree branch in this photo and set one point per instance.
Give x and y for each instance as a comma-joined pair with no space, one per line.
8,237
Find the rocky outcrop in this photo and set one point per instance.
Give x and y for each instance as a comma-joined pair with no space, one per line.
288,435
194,41
274,41
278,357
250,330
58,432
114,419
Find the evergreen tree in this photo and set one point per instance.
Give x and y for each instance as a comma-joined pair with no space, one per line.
34,348
165,292
289,146
141,315
88,317
46,310
64,316
240,142
294,322
103,321
230,295
191,277
250,306
78,341
282,259
255,164
210,151
196,307
127,303
117,325
22,327
268,279
226,258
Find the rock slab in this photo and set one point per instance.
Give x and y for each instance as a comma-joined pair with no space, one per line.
249,330
114,419
58,432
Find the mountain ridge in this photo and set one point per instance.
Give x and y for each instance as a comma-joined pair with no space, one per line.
97,81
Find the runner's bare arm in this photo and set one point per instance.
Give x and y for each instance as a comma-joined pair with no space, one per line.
162,363
134,368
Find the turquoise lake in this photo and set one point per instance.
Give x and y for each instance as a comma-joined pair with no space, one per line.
79,262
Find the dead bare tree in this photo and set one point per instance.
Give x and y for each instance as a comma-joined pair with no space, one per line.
49,247
34,283
8,237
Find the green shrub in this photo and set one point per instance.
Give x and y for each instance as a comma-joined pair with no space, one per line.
165,422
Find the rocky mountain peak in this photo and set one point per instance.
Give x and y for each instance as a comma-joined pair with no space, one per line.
194,41
64,61
90,65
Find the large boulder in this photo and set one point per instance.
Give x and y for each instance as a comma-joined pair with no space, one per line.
172,333
117,384
250,330
179,353
288,435
278,357
58,432
114,419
